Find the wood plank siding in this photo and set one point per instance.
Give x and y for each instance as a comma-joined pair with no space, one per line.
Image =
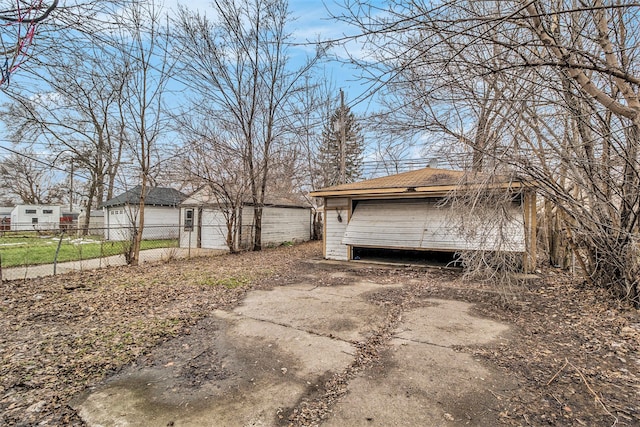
279,225
160,222
403,211
214,230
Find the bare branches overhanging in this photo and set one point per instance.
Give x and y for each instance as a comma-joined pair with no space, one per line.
17,14
549,91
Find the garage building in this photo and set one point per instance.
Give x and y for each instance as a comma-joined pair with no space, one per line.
410,211
206,223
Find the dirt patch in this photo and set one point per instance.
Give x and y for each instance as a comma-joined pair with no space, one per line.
573,350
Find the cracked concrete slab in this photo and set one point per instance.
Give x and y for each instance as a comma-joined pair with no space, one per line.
423,380
249,366
267,352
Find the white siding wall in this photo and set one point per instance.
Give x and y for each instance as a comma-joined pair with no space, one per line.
278,225
159,222
285,225
189,238
117,223
96,221
424,225
214,230
21,220
335,229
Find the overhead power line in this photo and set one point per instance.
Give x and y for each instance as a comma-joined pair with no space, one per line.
42,162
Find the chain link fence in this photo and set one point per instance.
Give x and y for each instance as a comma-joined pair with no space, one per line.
43,252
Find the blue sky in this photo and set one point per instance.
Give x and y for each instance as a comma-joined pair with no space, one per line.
311,22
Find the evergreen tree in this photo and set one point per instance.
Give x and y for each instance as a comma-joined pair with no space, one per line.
331,148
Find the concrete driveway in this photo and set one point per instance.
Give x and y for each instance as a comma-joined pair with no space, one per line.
268,359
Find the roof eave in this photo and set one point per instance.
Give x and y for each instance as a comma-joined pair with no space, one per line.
438,190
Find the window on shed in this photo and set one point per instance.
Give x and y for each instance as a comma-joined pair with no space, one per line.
188,220
47,211
30,211
34,220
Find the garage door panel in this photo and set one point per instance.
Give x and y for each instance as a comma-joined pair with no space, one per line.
394,225
424,225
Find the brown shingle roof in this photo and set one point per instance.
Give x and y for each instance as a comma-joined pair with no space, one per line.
427,180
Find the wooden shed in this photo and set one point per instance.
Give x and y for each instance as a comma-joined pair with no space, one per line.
205,221
412,211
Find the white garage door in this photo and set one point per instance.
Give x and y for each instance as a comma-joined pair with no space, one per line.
421,224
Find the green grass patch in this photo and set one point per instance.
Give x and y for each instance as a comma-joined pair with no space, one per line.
35,250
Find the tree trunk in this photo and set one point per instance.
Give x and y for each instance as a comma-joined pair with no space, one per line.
138,228
87,218
257,224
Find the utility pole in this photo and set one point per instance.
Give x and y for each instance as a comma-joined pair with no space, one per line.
71,188
343,141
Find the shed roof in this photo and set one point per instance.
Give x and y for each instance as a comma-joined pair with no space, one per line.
427,181
156,196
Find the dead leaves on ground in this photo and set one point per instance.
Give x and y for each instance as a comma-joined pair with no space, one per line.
575,351
61,334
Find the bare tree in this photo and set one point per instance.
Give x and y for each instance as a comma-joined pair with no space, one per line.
238,65
215,166
311,106
77,119
20,21
144,46
30,180
554,88
34,30
65,102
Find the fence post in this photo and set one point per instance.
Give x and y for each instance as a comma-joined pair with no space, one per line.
55,258
101,251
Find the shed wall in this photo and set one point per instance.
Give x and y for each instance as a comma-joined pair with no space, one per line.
21,220
281,224
214,230
160,222
336,219
117,223
189,235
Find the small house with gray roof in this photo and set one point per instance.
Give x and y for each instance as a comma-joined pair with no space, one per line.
161,214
